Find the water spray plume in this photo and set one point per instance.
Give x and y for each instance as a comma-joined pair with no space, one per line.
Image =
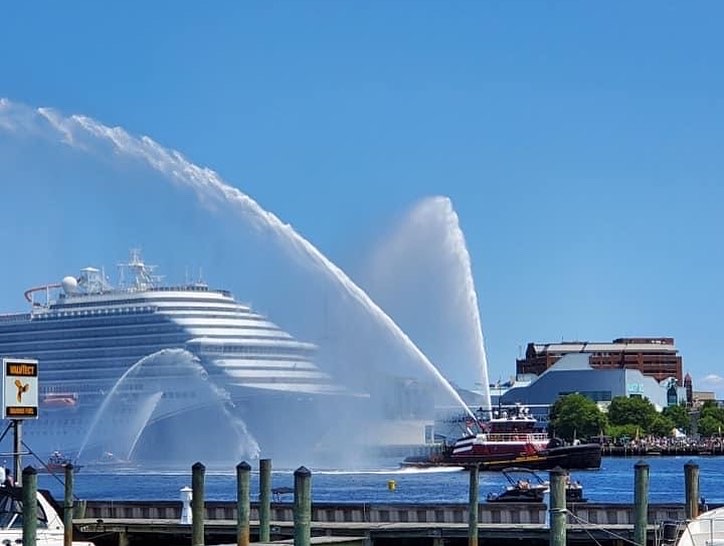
159,372
426,253
460,248
81,132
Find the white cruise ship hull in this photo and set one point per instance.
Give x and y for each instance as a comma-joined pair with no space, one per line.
166,374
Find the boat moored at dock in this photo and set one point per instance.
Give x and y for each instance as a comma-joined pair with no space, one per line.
50,529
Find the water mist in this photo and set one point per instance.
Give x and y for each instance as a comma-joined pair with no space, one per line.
86,134
421,274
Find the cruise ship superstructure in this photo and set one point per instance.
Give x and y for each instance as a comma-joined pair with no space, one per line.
138,368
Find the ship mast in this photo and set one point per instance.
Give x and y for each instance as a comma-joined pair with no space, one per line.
142,275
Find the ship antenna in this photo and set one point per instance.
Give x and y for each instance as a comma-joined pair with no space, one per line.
143,275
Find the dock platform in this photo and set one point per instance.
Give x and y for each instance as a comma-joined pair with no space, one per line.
139,523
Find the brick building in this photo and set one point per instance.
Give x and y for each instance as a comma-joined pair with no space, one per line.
656,357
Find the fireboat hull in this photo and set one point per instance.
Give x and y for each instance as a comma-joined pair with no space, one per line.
577,457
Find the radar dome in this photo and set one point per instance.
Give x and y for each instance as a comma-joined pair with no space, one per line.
69,284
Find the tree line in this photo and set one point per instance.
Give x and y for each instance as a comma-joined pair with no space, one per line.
576,416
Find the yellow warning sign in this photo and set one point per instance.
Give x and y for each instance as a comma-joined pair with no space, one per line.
20,388
22,369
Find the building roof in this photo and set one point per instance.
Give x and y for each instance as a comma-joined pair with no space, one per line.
570,362
598,347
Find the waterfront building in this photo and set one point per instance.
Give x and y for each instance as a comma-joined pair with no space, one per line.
699,398
573,373
656,357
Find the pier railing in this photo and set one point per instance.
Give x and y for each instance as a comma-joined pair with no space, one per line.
488,513
537,437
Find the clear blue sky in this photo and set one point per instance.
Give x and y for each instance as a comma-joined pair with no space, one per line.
580,143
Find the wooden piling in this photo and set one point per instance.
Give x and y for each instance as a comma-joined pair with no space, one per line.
302,507
30,506
473,505
691,485
243,508
79,509
641,502
68,506
265,468
198,470
558,515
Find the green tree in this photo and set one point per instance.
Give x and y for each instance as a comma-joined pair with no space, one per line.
679,416
662,426
710,426
574,415
633,410
710,409
619,432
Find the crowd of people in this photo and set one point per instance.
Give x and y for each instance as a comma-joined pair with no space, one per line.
682,444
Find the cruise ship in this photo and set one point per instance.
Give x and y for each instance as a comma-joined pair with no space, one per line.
146,371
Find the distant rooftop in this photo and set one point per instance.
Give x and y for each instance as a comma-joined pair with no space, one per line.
622,344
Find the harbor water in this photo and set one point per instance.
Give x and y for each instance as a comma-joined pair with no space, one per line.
613,483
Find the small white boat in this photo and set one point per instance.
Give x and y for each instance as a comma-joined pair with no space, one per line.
50,528
706,530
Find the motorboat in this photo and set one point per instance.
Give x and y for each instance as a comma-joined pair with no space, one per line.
57,462
50,528
705,530
524,485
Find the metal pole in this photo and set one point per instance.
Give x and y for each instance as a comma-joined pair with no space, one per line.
302,507
30,506
197,504
473,506
691,482
557,508
641,502
17,453
265,468
243,507
68,506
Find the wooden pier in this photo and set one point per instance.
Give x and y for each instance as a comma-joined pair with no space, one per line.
194,521
140,523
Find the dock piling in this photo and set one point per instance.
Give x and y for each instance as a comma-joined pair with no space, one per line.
265,468
68,506
302,506
30,506
558,515
198,471
79,509
641,502
691,484
473,505
243,508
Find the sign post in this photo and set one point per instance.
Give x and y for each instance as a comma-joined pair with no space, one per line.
20,401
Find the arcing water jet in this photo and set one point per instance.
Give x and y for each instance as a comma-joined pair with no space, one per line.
86,134
421,274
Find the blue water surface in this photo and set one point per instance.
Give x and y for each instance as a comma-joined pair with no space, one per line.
613,483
